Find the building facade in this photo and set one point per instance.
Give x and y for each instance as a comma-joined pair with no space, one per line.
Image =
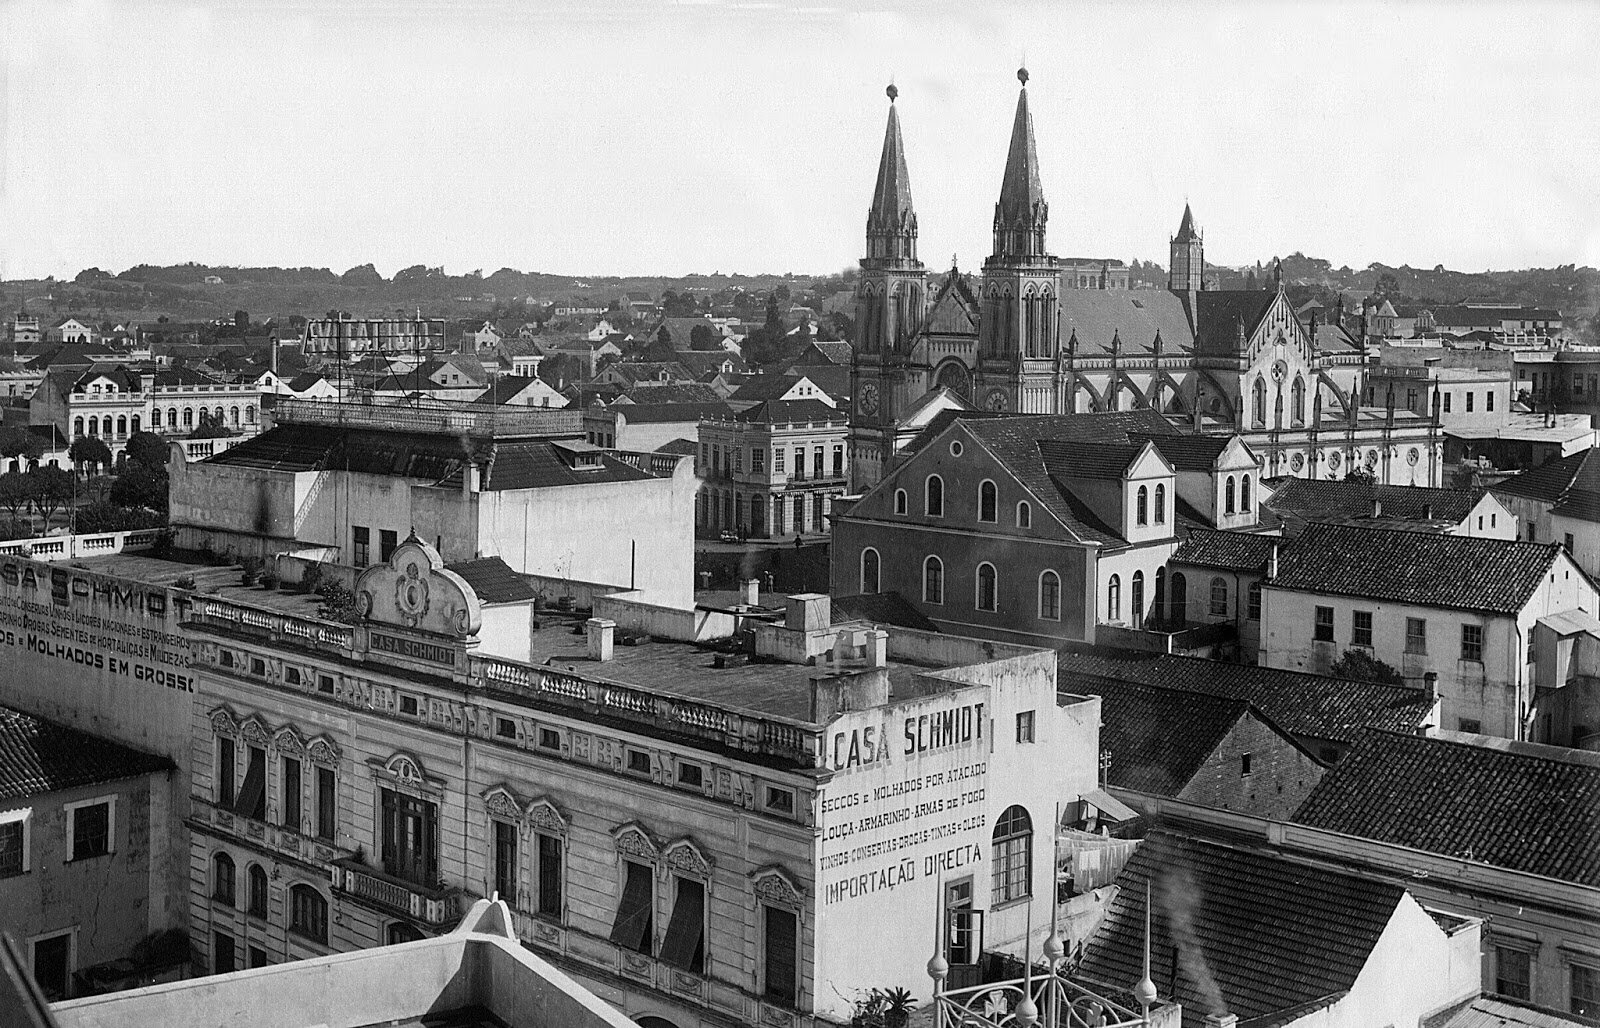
773,469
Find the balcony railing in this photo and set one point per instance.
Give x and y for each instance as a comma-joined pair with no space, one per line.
472,419
226,614
432,906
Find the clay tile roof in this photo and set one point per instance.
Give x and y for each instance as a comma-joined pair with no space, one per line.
1229,551
1456,572
1306,706
1316,500
1159,738
39,756
1221,313
1551,480
493,580
1521,806
785,412
881,609
1276,934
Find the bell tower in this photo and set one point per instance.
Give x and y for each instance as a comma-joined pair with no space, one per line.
1187,269
1017,341
890,301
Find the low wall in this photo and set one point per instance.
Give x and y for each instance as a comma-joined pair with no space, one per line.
292,569
584,594
66,547
632,615
921,647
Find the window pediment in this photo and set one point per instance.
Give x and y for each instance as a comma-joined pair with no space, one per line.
776,886
684,857
633,839
223,721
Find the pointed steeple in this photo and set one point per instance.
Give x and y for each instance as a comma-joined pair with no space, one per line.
891,222
1186,229
1019,217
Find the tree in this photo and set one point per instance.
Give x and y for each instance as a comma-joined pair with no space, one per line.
704,337
20,443
241,321
147,450
782,292
89,453
1361,666
53,489
774,322
16,493
209,428
141,486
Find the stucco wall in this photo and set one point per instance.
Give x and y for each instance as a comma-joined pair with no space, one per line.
1281,775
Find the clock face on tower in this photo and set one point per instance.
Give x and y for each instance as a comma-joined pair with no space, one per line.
869,398
996,400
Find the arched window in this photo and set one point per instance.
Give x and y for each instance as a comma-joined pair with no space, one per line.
172,417
133,423
257,884
869,570
1228,506
94,426
1219,596
222,879
122,425
250,414
1259,398
1159,607
933,497
986,589
218,415
1141,507
988,501
77,427
1013,855
1050,596
1136,600
1298,400
308,913
1161,504
1114,599
188,417
1180,599
1024,514
933,580
900,505
233,416
1244,495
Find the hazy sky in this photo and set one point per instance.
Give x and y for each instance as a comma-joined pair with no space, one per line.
620,138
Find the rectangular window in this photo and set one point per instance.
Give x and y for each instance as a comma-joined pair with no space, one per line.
291,676
14,842
360,546
258,957
816,462
777,460
691,776
253,794
1252,609
91,829
222,960
639,762
1469,726
780,801
549,739
1469,401
327,805
388,542
1472,642
838,462
1361,628
1512,973
1488,400
1244,765
505,728
1566,543
325,684
1416,635
308,913
550,876
1025,726
291,794
1447,403
258,667
505,861
634,926
758,461
799,463
52,965
225,783
1585,988
779,956
1322,631
410,837
408,705
685,944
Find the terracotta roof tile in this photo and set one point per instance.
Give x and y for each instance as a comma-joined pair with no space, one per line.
493,580
39,756
1230,551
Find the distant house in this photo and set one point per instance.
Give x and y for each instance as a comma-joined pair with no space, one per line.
213,280
647,427
629,373
309,385
522,391
1467,512
781,388
73,330
488,336
827,352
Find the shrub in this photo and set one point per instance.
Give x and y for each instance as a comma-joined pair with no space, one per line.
338,604
186,582
311,579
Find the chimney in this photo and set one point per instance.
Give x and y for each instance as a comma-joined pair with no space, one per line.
752,592
1430,685
1272,563
1427,512
877,648
1377,507
1222,1020
602,636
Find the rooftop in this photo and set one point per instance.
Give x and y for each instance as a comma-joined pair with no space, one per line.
1158,738
433,417
1552,480
1228,551
1449,571
1520,806
39,756
1260,919
1317,500
1310,706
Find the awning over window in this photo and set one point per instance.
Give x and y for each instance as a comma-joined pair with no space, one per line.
1110,808
632,927
687,927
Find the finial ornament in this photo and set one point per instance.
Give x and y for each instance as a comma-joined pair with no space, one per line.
1022,75
892,92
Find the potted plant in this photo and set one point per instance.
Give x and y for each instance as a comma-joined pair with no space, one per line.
250,569
269,577
897,1005
868,1010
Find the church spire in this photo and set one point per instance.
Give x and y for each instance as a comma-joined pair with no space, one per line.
1019,217
1186,231
891,222
1186,271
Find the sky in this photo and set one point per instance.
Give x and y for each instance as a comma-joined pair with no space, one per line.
623,138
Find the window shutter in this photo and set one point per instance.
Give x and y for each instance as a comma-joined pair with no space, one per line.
253,795
687,928
632,927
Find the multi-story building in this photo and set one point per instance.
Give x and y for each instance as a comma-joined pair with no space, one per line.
87,863
1482,621
1216,362
1044,528
1475,512
347,482
24,330
646,427
773,469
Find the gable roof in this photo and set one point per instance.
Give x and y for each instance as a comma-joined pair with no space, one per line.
305,380
39,756
1092,318
1304,705
834,351
1451,571
666,413
1187,452
655,393
1159,738
1226,551
1551,481
1221,314
767,387
1515,805
1262,921
1320,500
888,608
954,310
505,390
493,580
787,412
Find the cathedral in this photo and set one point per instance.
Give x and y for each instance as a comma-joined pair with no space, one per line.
1034,334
